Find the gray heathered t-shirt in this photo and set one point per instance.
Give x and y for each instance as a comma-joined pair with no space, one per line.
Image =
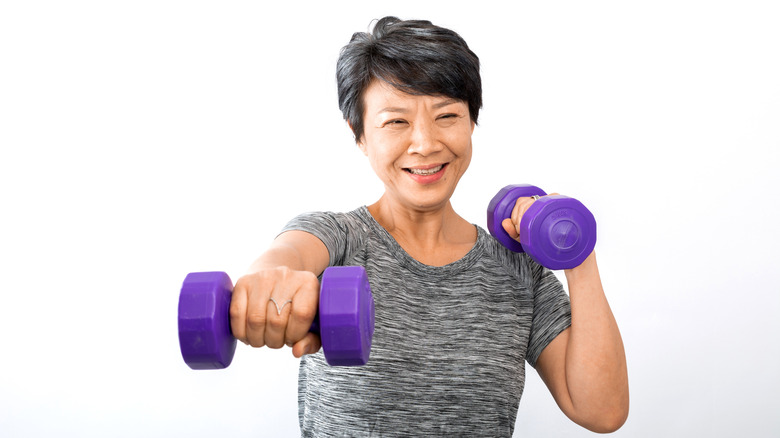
449,344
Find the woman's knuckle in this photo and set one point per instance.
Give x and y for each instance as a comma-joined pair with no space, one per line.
255,342
304,313
275,323
256,320
235,311
275,345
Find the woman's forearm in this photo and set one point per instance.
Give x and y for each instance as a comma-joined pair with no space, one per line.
296,250
596,373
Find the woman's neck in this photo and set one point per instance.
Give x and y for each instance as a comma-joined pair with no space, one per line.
434,237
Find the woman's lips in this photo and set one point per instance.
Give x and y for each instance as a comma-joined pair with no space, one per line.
423,171
426,174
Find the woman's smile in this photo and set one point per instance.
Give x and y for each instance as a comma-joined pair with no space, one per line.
426,174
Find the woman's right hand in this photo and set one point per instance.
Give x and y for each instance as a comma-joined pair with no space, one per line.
275,307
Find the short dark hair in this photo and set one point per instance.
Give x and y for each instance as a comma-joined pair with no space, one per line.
415,57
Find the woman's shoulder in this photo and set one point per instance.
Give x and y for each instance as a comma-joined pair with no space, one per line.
358,217
518,265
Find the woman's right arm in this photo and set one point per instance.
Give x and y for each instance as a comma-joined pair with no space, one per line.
287,273
297,250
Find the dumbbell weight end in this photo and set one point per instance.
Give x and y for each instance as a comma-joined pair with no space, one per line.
346,318
205,339
500,208
558,232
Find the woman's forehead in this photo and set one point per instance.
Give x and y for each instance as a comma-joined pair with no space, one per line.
381,96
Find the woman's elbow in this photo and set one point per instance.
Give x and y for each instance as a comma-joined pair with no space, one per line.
608,421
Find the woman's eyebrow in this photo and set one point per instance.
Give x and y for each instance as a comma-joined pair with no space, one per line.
394,109
445,103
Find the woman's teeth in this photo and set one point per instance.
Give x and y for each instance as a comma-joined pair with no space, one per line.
430,171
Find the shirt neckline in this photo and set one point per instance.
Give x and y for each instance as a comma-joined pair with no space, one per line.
414,265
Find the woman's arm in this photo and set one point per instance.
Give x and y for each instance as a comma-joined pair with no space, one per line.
297,250
585,366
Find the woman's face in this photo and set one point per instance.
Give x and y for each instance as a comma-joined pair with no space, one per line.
419,146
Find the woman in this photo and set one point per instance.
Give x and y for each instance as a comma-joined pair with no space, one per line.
457,314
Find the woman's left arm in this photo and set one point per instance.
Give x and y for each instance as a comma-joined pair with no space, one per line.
584,367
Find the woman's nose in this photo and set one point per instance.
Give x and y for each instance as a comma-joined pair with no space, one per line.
424,140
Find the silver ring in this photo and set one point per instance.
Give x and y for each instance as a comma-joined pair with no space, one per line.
535,197
279,309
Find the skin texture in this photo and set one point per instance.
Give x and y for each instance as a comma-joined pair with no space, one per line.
420,147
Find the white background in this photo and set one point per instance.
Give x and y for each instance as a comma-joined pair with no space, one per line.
143,140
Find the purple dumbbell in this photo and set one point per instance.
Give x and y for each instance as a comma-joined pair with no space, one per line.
345,321
556,231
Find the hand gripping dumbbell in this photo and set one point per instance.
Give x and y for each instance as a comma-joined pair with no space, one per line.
556,231
345,321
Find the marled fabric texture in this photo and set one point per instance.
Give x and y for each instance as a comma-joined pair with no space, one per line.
450,343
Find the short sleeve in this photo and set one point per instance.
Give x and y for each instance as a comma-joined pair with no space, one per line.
551,314
338,231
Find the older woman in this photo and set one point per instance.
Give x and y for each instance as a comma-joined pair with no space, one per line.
457,314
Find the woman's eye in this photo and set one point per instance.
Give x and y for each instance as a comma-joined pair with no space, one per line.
448,118
396,122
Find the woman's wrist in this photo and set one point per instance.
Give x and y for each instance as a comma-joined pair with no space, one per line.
586,269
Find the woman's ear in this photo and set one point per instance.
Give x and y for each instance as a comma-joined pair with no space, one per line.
359,143
362,147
